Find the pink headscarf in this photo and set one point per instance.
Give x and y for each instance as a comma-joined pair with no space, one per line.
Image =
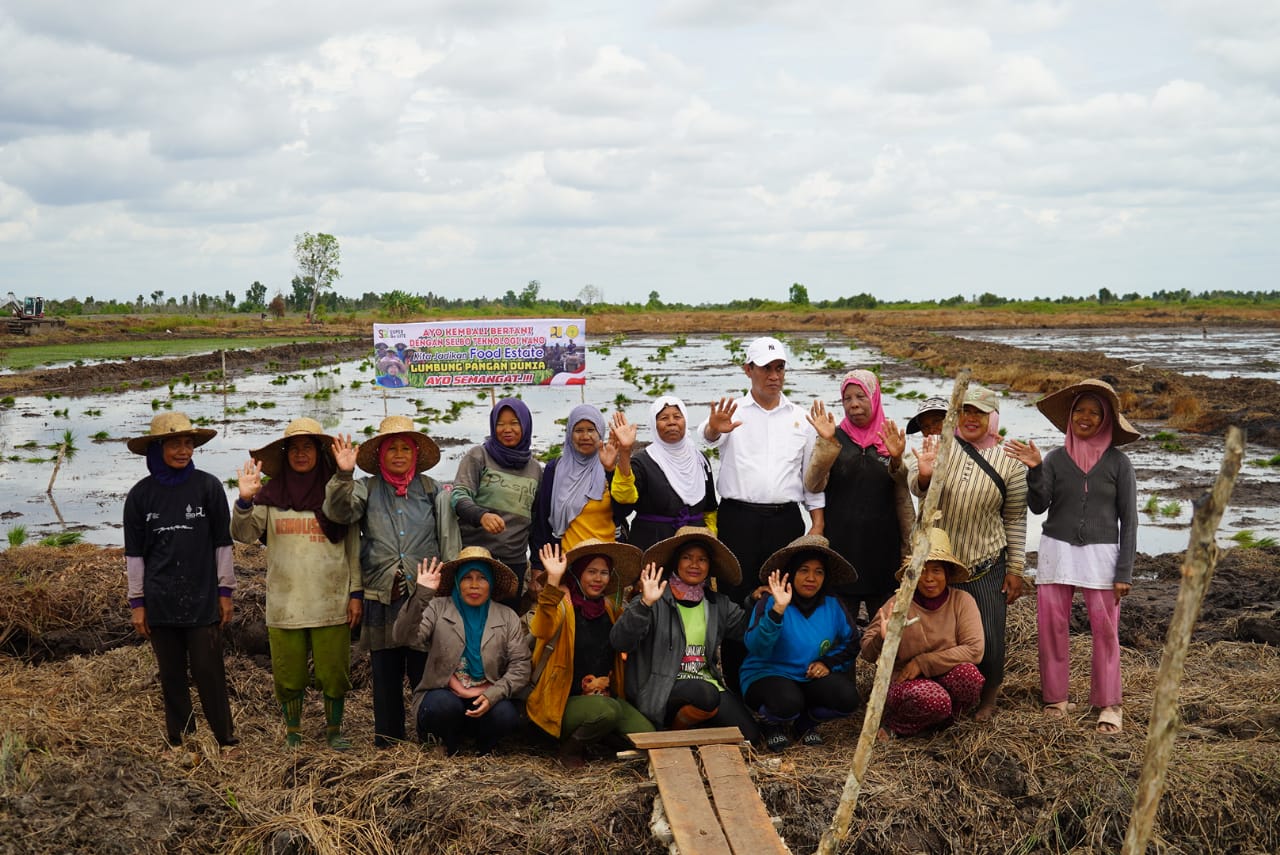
1087,452
992,437
399,482
870,434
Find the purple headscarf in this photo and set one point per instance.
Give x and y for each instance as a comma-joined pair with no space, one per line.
510,458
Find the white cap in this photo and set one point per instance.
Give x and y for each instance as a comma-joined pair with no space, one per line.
764,350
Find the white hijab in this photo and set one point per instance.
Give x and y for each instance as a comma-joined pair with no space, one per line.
681,462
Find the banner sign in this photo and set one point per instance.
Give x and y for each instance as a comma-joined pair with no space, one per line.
520,352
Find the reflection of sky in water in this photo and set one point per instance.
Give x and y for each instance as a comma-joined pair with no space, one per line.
1211,352
90,489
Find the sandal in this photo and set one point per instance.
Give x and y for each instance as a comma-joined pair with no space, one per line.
812,738
1058,710
1111,720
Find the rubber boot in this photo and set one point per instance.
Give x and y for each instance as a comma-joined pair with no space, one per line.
292,722
333,723
573,749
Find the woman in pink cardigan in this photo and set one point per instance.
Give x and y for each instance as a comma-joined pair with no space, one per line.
935,674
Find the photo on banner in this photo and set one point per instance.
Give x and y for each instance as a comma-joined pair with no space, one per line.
521,352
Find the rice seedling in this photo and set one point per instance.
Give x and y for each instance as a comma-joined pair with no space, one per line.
1171,509
61,414
1246,540
268,405
31,443
100,436
552,453
1152,507
7,401
64,538
1170,442
17,535
93,412
620,401
369,430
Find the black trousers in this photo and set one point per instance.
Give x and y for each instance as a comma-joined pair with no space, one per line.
782,700
752,533
729,709
199,647
389,668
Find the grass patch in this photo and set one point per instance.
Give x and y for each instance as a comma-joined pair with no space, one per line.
1171,509
1246,540
17,535
22,358
65,538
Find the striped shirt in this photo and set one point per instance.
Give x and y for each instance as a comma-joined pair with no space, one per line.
972,515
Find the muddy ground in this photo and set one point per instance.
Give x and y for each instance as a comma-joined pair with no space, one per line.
83,769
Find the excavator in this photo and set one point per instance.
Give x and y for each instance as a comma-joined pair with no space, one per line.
27,314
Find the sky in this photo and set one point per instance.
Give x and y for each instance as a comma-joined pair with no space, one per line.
705,149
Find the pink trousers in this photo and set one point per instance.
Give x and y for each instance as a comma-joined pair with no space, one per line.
1053,618
913,705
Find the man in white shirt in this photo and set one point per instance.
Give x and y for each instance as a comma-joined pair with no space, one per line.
765,443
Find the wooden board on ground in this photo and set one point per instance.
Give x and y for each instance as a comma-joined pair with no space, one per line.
742,814
684,797
682,738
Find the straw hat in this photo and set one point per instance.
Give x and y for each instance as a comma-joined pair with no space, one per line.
928,405
940,550
1057,409
624,560
428,451
272,455
839,571
505,582
168,426
724,565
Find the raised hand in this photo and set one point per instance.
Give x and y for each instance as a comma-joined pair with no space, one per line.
823,421
1025,453
622,431
927,456
894,438
721,420
344,453
780,590
429,573
608,453
651,584
553,562
249,480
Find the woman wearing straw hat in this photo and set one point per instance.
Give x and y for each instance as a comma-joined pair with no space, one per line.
578,685
177,547
1088,541
314,588
984,510
479,651
802,644
495,486
858,465
671,633
935,674
395,509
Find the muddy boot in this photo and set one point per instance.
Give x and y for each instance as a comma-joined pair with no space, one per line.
292,722
333,724
573,749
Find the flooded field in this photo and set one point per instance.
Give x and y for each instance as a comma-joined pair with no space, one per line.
89,491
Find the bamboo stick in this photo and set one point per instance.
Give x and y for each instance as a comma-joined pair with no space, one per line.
1197,572
62,450
839,828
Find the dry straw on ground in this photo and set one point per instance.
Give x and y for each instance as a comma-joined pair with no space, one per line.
83,766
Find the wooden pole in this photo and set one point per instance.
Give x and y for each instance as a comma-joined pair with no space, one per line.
224,383
62,450
839,828
1197,573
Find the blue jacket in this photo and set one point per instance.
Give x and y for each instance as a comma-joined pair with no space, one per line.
786,647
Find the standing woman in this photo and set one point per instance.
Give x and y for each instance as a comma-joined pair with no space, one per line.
858,465
984,510
1088,541
494,489
395,510
573,502
314,589
177,548
479,651
802,644
669,483
578,696
672,631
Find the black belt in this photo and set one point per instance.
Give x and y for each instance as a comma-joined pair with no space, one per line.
774,508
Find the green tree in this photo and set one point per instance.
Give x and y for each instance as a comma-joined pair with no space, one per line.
318,257
255,299
799,294
655,300
529,296
401,304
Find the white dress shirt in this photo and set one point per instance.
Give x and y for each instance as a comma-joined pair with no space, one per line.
763,460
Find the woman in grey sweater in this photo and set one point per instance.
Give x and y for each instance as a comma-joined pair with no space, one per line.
1088,541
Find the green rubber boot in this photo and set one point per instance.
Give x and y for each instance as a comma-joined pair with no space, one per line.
292,722
333,724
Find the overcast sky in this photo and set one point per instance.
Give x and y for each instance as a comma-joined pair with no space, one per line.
704,149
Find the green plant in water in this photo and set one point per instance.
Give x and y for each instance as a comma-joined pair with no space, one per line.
61,414
7,401
17,535
552,453
93,412
64,538
369,430
1152,506
1246,540
31,443
1171,509
100,436
620,401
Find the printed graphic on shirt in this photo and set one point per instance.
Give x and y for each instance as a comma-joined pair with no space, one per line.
694,661
308,526
593,685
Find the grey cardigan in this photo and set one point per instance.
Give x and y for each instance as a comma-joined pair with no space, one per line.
434,622
1105,512
653,639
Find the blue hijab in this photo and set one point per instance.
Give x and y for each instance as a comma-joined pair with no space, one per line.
473,618
510,458
578,477
163,472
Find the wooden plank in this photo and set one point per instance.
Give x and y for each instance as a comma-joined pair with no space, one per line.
684,796
742,814
684,738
